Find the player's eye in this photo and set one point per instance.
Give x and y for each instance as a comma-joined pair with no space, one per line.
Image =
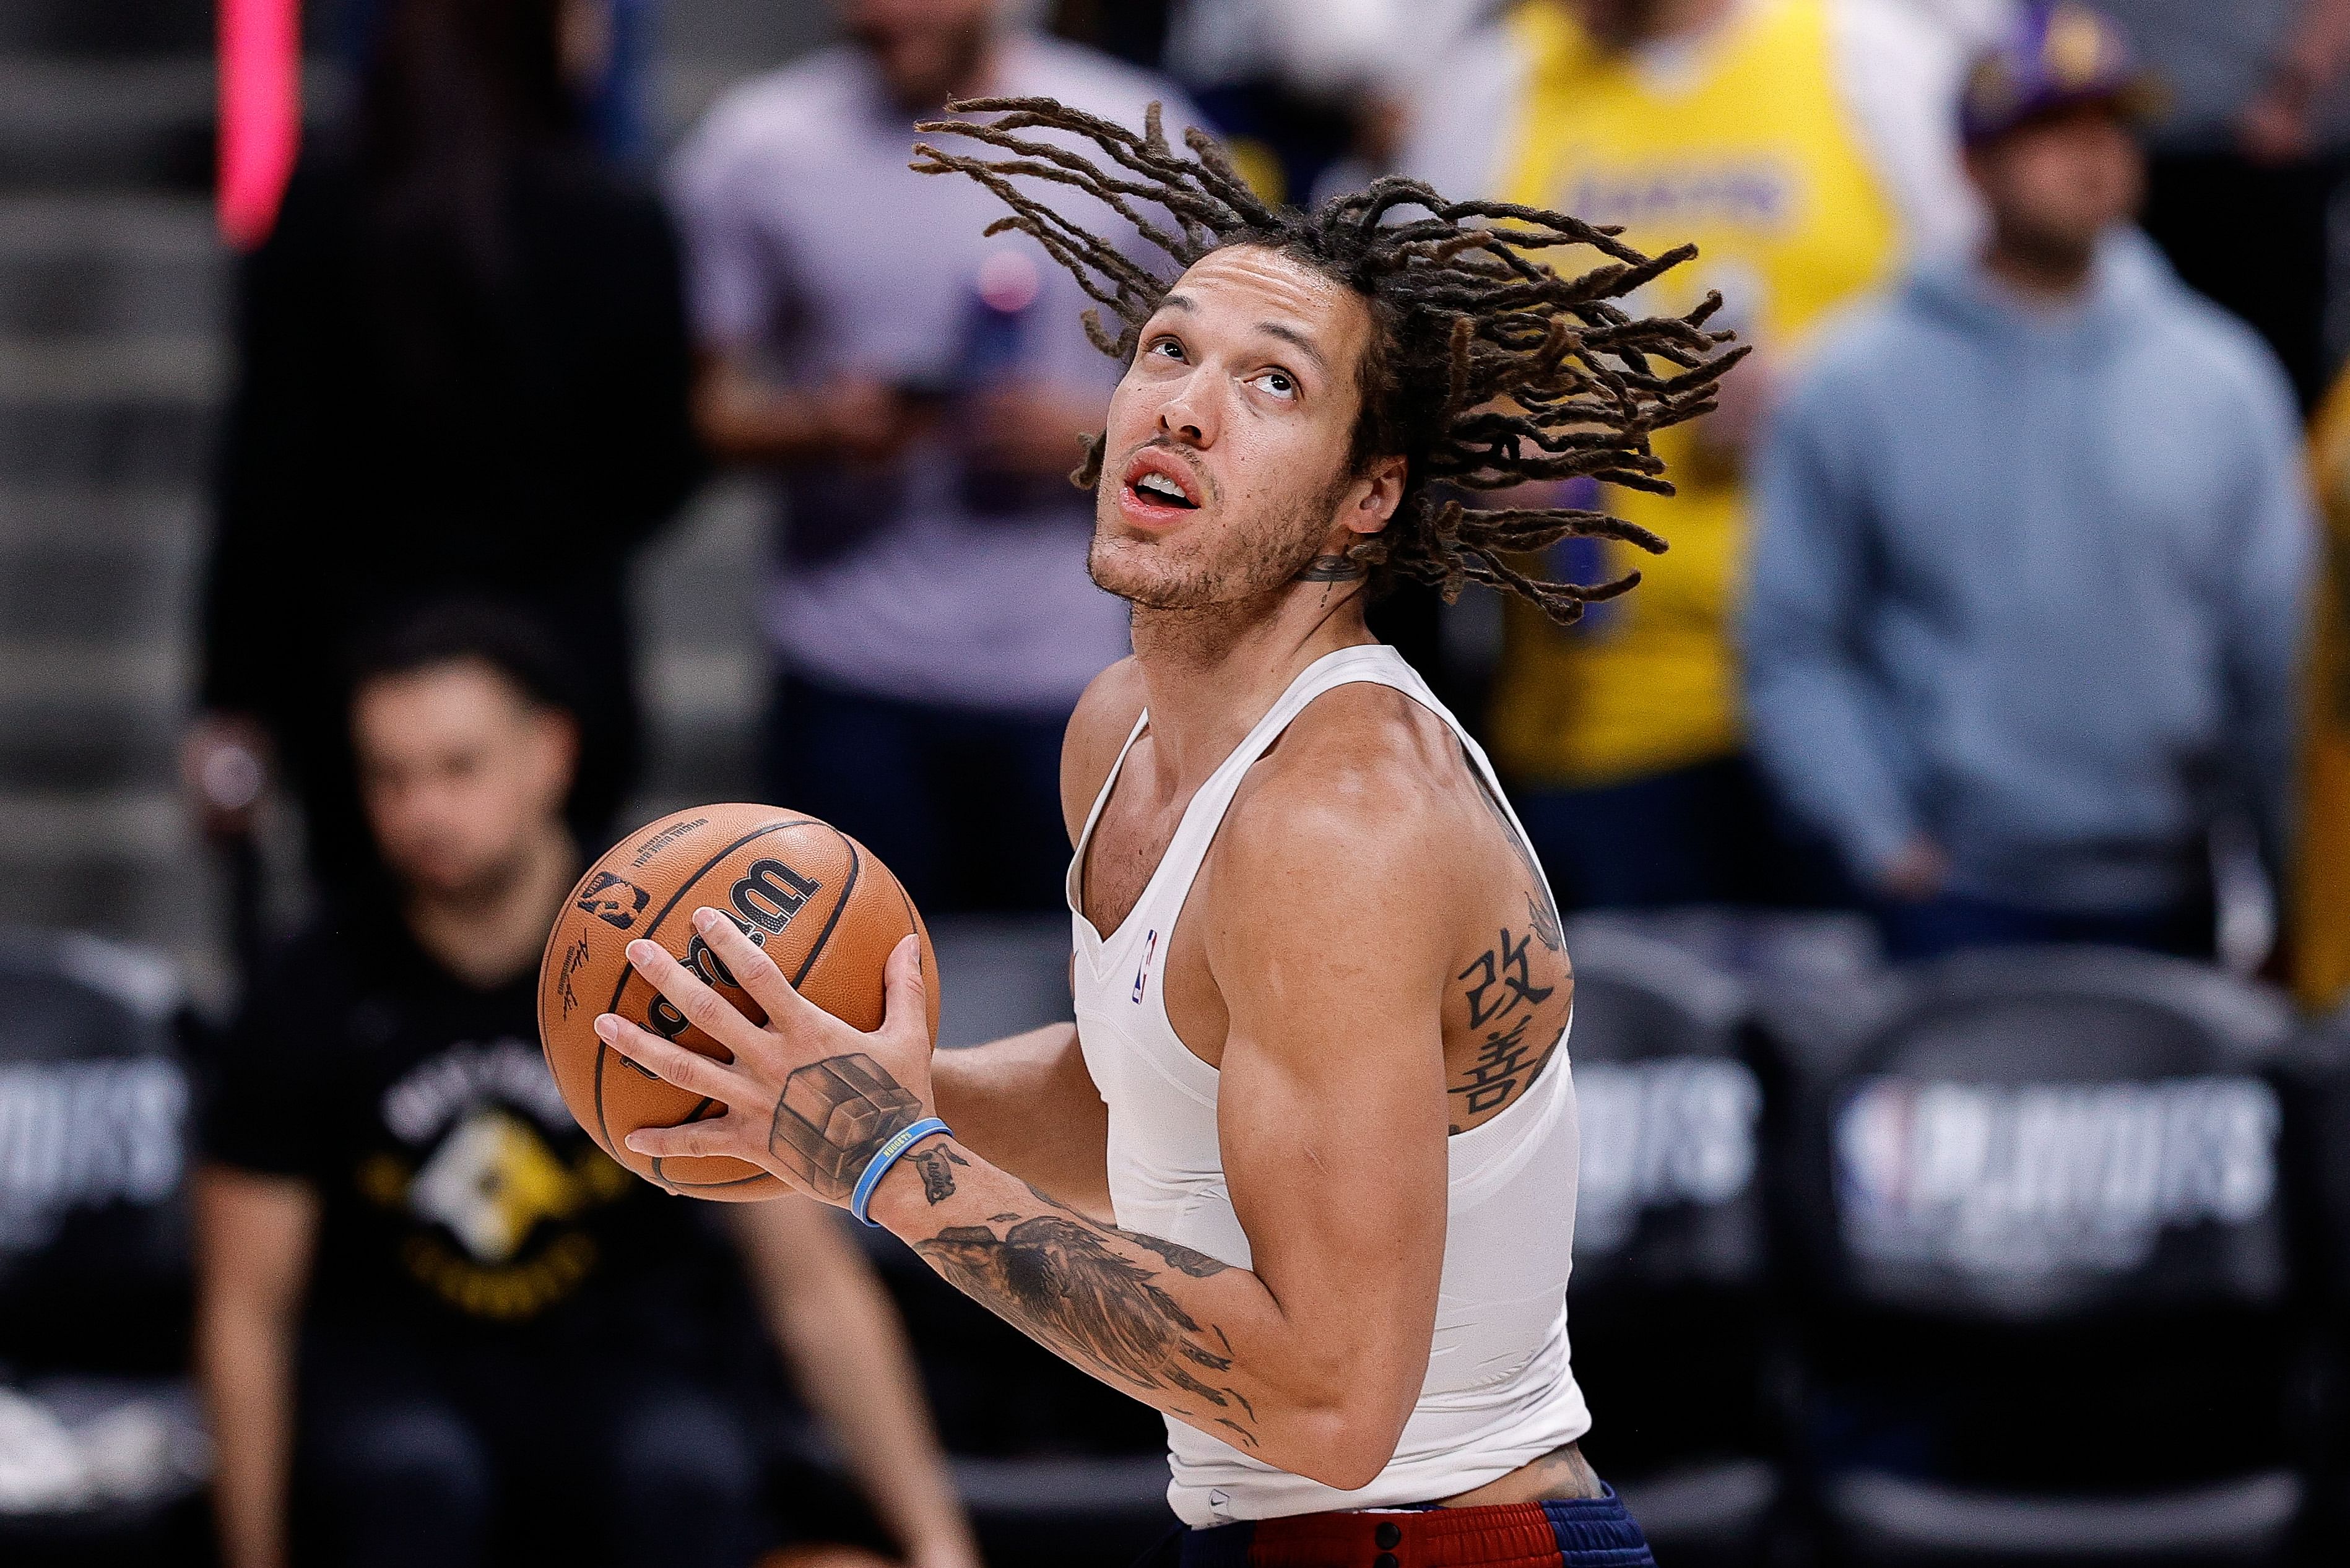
1280,383
1166,347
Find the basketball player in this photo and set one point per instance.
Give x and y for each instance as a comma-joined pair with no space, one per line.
1302,1174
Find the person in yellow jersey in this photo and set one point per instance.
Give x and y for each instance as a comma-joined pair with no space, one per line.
2321,890
1806,146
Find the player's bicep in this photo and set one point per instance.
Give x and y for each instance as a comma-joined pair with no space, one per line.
1331,1105
1335,1154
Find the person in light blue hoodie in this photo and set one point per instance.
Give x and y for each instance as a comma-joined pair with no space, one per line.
2027,592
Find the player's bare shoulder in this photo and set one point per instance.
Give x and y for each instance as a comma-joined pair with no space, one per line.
1401,821
1366,773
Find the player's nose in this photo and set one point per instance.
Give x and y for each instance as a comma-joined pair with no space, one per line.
1188,415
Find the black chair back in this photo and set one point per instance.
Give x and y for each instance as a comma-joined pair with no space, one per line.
2037,1204
1669,1195
2035,1136
93,1158
1666,1306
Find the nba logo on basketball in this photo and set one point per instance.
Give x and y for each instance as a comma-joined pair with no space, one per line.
1142,973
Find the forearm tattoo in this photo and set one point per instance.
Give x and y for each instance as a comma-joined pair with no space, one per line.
1076,1288
833,1117
937,1166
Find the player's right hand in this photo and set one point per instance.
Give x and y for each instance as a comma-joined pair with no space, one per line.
809,1098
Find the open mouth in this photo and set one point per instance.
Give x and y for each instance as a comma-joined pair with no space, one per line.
1156,480
1166,492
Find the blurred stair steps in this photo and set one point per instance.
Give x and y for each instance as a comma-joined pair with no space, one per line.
113,306
114,361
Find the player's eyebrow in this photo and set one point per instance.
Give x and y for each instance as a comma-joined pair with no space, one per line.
1297,340
1289,335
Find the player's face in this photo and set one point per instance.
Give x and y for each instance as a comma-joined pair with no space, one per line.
1224,466
459,773
925,49
1618,23
2055,185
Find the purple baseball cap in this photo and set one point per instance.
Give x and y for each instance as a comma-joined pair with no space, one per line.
2057,55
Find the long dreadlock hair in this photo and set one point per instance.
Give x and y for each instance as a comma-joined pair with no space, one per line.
1487,368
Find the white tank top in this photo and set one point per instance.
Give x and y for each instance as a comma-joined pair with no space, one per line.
1499,1391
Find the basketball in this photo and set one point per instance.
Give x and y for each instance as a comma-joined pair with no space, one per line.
817,901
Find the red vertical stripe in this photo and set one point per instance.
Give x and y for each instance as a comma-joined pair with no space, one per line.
260,112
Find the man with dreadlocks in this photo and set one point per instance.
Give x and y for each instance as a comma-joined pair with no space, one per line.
1302,1174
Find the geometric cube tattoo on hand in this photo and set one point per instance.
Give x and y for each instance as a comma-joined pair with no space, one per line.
833,1117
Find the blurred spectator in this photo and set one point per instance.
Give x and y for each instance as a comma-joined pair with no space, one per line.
2321,889
1805,146
1134,31
463,367
2249,156
606,49
2034,545
1970,23
1312,96
494,1325
922,388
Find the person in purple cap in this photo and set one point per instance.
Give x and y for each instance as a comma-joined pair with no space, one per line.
2032,550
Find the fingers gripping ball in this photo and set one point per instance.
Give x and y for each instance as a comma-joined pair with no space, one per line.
812,897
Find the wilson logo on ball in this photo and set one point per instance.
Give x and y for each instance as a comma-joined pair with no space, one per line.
769,894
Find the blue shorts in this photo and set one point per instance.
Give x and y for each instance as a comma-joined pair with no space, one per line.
1585,1532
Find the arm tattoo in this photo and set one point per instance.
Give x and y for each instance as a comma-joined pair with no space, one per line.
1063,1280
937,1166
1541,912
1503,1001
833,1117
1197,1264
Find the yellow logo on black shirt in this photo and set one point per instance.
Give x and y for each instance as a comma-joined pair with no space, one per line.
493,1194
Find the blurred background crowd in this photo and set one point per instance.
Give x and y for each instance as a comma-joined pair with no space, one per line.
597,417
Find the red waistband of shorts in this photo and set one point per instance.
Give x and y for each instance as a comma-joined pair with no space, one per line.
1594,1532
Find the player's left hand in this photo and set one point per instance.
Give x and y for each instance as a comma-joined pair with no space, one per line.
807,1097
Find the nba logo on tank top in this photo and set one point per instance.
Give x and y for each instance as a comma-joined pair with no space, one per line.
1499,1391
1142,974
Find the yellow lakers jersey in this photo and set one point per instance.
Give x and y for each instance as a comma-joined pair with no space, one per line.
2321,891
1748,153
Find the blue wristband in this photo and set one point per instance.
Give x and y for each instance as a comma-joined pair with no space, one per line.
889,1155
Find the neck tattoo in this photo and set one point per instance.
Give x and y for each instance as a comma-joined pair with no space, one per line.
1331,569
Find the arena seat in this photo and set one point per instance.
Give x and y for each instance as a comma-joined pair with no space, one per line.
102,1455
2317,1122
1667,1303
2035,1203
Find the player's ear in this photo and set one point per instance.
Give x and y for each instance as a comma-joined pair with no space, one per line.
1375,494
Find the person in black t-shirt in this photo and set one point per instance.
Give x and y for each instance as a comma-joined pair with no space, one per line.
463,367
436,1324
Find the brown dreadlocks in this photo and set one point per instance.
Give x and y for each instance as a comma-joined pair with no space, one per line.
1487,369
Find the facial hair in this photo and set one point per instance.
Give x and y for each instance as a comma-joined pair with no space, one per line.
1257,558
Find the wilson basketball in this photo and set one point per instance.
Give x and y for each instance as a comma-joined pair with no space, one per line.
821,906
